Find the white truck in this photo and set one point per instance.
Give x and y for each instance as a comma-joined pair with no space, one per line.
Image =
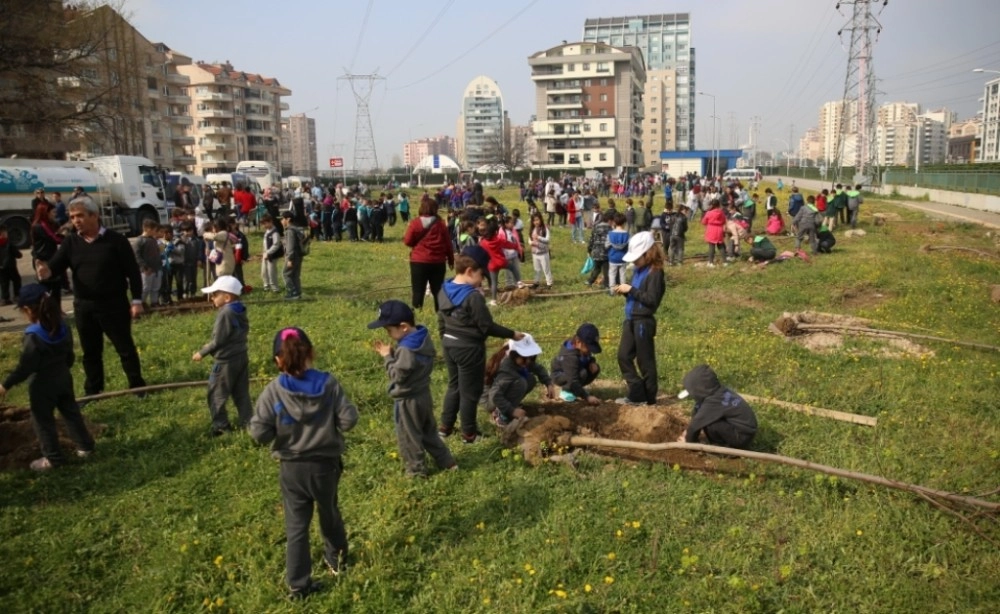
129,190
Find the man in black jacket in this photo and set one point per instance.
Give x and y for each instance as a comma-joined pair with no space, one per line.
724,416
104,271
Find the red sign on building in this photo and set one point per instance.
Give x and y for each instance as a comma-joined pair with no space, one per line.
336,162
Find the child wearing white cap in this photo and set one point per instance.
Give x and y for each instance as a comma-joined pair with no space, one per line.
511,374
230,375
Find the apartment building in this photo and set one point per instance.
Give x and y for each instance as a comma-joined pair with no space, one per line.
589,106
416,150
302,142
482,124
237,116
989,132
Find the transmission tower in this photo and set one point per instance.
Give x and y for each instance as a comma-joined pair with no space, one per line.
365,157
856,138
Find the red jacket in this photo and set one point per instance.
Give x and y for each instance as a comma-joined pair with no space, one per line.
430,241
245,201
715,222
494,247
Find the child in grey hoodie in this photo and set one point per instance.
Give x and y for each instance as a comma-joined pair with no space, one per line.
302,414
409,366
725,418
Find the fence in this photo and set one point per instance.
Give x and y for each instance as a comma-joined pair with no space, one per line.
976,182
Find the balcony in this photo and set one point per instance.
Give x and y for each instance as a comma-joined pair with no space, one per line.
176,78
216,130
283,106
182,139
179,99
153,94
213,96
182,120
258,114
260,132
184,159
210,160
547,73
213,113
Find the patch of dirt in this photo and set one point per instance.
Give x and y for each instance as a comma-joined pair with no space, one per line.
185,305
549,424
716,296
824,333
860,297
18,444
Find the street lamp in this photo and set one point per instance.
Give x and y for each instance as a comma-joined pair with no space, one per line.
715,155
995,72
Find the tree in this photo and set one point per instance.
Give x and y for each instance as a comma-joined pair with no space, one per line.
509,148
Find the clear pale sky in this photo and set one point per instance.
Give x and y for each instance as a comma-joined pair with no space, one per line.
777,59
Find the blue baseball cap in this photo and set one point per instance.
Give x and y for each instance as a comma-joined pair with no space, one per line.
393,313
478,254
31,294
588,334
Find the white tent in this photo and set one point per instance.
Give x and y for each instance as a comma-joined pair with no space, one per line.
437,164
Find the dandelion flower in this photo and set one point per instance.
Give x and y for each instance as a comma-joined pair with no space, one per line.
587,588
636,524
560,594
859,532
218,561
618,533
527,567
612,556
609,580
219,601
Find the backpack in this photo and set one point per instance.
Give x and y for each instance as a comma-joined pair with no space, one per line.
305,242
244,247
598,249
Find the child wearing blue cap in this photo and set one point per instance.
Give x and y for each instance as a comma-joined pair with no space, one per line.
575,366
409,366
47,349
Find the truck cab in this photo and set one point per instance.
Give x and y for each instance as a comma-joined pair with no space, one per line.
137,185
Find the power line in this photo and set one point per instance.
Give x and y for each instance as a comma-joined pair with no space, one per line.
930,67
361,35
470,49
421,38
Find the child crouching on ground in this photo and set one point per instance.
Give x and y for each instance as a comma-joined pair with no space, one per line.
46,357
230,375
409,366
511,374
575,366
302,414
721,414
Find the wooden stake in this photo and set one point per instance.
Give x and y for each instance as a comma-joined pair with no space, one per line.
814,411
874,332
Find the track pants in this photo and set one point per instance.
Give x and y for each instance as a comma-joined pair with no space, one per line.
637,349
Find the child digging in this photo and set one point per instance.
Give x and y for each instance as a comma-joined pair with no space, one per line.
575,366
723,416
512,373
409,366
302,413
47,350
230,375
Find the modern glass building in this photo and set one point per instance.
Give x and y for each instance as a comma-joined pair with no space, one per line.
665,43
481,124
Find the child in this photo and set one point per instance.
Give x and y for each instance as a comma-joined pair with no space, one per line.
714,221
750,211
775,223
10,279
494,243
512,373
736,232
303,413
575,366
464,323
147,254
825,240
805,224
541,256
519,229
617,244
597,249
643,296
274,250
678,230
409,366
516,255
46,357
761,249
173,262
467,234
230,375
194,251
725,418
293,240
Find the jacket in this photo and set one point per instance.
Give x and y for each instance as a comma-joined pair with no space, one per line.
274,247
617,244
429,240
463,318
648,286
293,240
51,355
229,335
494,246
303,418
8,255
678,226
147,254
715,402
715,222
539,241
224,242
806,217
567,367
512,384
410,364
597,249
643,218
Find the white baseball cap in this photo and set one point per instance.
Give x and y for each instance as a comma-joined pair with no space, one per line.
683,394
638,245
226,283
525,347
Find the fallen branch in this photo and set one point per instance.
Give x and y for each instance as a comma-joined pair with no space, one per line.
141,390
957,248
971,502
815,411
564,294
874,332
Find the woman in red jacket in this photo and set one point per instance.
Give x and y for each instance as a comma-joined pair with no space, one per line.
715,233
430,242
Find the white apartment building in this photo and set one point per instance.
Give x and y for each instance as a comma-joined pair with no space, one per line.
589,106
416,150
907,137
831,130
482,124
989,133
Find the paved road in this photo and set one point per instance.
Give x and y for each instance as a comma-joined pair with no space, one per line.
934,210
16,319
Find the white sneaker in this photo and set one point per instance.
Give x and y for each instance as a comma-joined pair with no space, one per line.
41,464
493,303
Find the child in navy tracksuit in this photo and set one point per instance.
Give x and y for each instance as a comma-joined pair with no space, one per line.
409,366
643,296
512,373
575,366
47,351
230,375
303,414
617,246
723,416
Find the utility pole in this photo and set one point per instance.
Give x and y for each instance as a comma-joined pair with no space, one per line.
791,150
733,130
365,157
858,110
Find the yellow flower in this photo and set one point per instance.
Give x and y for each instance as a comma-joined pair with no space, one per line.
481,525
184,547
527,567
587,588
219,601
618,533
860,532
486,601
612,556
560,594
218,561
609,580
636,524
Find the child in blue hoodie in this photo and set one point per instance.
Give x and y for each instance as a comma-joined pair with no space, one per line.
303,414
230,375
409,366
47,350
575,366
617,246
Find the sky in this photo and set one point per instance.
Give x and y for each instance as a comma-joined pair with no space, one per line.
779,60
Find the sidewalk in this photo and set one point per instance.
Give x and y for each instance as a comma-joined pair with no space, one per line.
10,312
938,211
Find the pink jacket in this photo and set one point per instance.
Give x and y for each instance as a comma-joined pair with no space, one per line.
715,222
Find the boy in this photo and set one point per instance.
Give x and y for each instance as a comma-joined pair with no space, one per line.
274,249
193,251
678,230
293,241
147,254
173,262
597,249
617,244
575,366
10,279
409,366
725,418
464,323
231,372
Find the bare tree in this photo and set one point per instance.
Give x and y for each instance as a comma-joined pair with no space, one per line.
509,148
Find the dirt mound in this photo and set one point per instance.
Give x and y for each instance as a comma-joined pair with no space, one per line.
18,444
825,332
539,437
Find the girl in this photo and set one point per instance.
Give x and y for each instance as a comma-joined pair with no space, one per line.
775,223
643,297
47,350
218,233
511,374
714,221
495,242
303,413
574,209
541,257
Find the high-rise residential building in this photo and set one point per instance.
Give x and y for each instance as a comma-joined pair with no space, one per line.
482,124
588,100
665,43
237,116
989,133
285,145
905,136
417,150
302,138
835,135
963,141
811,147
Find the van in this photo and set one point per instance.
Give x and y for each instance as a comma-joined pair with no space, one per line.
743,175
197,183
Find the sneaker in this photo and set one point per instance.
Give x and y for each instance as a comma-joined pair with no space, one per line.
567,396
473,438
221,431
445,431
493,303
628,401
711,265
297,594
41,464
84,453
293,297
497,418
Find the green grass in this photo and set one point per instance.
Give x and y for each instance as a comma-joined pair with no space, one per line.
165,519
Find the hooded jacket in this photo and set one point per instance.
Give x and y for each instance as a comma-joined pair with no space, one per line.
229,336
41,352
430,241
463,318
303,418
648,286
571,369
715,402
410,364
512,383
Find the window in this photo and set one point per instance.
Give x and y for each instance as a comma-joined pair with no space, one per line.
586,66
652,120
603,127
151,83
602,157
604,97
604,82
604,112
586,83
586,127
570,67
586,157
653,131
586,97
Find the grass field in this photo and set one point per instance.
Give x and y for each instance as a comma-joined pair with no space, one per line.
166,519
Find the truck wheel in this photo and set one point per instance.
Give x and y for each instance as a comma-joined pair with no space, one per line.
18,232
140,218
